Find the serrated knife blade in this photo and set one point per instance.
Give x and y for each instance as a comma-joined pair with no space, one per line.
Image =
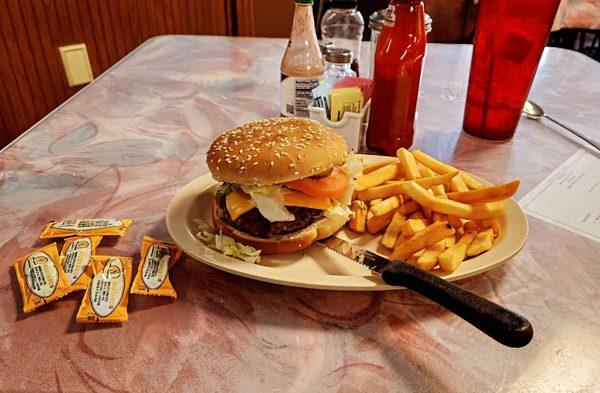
374,262
501,324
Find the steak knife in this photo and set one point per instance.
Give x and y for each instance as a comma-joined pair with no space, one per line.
501,324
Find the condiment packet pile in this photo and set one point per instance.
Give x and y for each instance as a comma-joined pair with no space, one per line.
44,275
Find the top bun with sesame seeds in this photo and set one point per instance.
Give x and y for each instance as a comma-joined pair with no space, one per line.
274,151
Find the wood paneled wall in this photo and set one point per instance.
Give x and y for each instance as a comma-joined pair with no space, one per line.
32,77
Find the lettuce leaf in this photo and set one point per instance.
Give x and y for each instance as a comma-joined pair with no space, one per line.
269,202
352,167
227,245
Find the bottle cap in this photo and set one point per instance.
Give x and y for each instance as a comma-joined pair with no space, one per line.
325,47
304,1
339,56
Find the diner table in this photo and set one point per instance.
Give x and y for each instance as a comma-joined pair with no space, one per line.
124,145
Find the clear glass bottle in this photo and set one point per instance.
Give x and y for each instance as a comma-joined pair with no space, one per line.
343,25
302,65
338,64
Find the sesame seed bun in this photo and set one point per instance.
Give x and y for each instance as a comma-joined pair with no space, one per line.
281,244
275,151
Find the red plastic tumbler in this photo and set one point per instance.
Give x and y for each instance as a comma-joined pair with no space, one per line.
510,36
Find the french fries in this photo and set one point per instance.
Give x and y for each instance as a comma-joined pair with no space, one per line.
375,201
422,239
448,206
397,187
457,184
428,259
358,220
493,223
393,230
368,168
410,226
451,258
409,164
409,208
482,243
377,177
486,194
417,215
376,224
440,167
428,212
387,205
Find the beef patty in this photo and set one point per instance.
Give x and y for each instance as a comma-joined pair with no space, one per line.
254,223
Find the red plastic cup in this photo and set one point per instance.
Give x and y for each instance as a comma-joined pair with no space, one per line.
510,36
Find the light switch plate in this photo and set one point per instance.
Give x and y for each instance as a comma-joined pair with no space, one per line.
77,64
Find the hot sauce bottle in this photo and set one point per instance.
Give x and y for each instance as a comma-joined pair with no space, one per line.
398,60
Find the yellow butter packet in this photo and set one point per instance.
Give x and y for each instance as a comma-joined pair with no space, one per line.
107,295
75,259
152,277
41,278
86,227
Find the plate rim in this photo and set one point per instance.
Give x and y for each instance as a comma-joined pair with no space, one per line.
330,282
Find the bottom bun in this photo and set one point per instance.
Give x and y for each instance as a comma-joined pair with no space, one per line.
281,244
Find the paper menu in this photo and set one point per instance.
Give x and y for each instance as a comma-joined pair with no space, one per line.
570,196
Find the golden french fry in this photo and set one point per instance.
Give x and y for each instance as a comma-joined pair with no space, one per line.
428,259
409,164
376,224
422,239
452,257
375,201
486,194
450,241
369,215
448,206
358,220
441,168
439,217
409,208
397,187
455,221
377,177
471,226
411,226
393,230
368,168
387,205
457,184
482,243
417,215
467,238
415,257
470,181
493,223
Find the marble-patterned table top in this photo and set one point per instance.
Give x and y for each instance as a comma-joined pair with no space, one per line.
124,145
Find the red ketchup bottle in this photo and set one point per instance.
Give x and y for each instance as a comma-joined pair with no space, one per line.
398,60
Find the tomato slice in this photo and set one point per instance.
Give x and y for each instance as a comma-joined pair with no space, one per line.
330,186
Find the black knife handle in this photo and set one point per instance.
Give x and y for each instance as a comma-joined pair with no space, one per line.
504,326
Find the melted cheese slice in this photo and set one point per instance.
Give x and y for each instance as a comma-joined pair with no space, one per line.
238,202
300,199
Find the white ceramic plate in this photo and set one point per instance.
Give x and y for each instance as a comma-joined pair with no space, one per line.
317,267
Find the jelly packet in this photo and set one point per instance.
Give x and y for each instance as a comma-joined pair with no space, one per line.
41,278
86,227
152,277
107,295
75,259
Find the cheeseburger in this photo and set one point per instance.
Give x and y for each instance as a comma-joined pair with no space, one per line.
287,182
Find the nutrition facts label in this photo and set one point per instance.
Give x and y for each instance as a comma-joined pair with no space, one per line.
570,196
